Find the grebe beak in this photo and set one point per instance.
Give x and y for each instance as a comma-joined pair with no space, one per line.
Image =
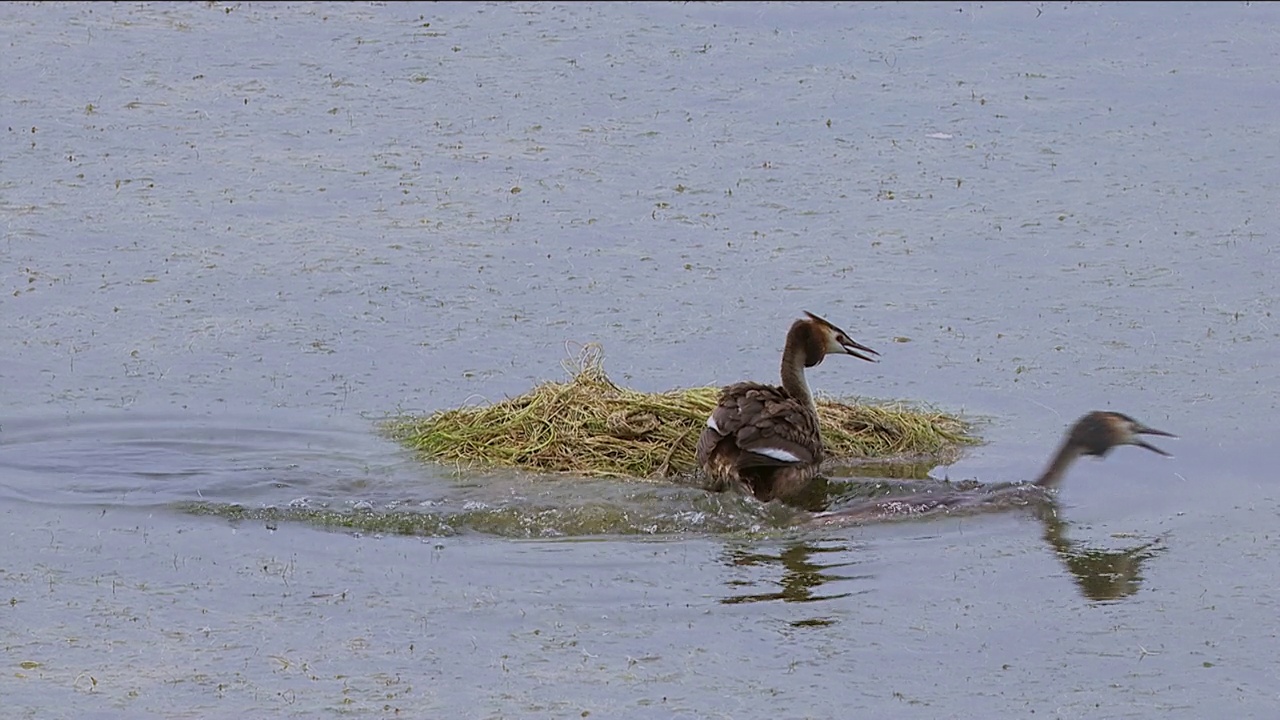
853,348
1139,429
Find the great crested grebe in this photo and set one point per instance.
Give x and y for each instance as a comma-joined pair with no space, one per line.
765,438
1096,434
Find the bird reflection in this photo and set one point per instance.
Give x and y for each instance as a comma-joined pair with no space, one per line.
802,573
1100,574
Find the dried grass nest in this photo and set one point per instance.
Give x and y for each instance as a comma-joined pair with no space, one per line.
590,426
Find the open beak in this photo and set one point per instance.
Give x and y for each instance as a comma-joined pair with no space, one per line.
1144,430
841,338
857,349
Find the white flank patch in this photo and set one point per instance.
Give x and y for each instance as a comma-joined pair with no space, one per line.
711,423
777,454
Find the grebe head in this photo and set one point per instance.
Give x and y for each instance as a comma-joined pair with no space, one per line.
821,338
1100,430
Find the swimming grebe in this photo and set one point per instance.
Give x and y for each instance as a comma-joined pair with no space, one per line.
764,438
1094,434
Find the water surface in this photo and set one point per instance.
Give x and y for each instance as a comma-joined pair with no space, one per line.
237,236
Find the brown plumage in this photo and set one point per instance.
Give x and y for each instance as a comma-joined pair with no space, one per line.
765,438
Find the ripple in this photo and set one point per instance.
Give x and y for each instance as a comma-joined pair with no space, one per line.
127,459
673,511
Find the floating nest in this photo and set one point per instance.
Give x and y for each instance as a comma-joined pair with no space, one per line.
591,427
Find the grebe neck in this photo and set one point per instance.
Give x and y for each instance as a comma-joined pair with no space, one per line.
793,380
1067,455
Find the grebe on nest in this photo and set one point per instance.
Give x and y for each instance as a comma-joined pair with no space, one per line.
765,438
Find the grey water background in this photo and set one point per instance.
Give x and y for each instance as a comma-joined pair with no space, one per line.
237,235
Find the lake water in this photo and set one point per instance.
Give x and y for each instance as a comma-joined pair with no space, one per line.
236,236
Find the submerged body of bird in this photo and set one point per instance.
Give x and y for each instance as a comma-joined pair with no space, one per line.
1096,434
